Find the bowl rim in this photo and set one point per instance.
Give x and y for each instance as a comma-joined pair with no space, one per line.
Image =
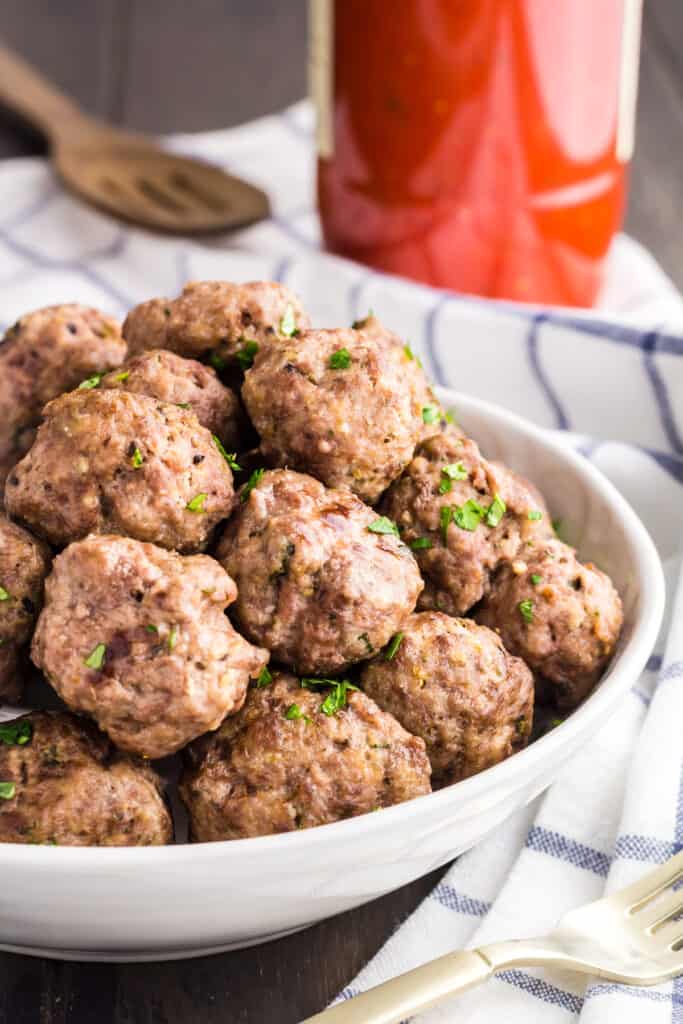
627,665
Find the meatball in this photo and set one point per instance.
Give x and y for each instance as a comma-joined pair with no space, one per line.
43,354
24,564
462,516
285,763
65,785
343,405
322,581
112,462
223,322
137,637
187,383
562,617
453,683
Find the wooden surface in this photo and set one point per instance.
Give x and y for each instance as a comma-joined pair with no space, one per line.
163,65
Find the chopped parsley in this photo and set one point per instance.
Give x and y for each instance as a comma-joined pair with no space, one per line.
230,457
420,544
294,712
393,646
247,354
137,459
449,416
495,511
173,637
251,483
288,322
469,515
16,733
450,472
340,360
91,382
535,515
151,629
5,595
557,526
336,699
197,503
411,355
535,578
217,361
122,376
7,790
526,610
183,405
96,657
445,520
366,640
264,678
383,525
431,414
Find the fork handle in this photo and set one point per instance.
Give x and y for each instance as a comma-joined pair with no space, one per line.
25,91
410,993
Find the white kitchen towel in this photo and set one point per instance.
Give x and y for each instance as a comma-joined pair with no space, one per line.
611,379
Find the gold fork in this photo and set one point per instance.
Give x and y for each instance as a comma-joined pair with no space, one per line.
123,173
631,936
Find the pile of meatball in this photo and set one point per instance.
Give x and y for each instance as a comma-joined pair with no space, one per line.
268,547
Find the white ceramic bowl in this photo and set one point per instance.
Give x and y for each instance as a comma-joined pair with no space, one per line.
177,901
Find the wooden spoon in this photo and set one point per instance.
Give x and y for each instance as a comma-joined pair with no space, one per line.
123,173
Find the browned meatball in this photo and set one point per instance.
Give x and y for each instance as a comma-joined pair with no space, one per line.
187,383
316,584
221,321
562,617
65,785
45,353
343,405
453,683
462,516
283,763
24,564
137,637
112,462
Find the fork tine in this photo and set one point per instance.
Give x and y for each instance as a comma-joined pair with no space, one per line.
656,913
633,896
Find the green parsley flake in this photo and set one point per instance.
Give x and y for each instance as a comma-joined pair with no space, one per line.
7,790
5,595
340,360
366,640
411,355
251,483
17,733
420,544
535,578
336,698
526,610
183,405
217,361
151,629
122,376
230,457
247,354
197,503
535,515
393,646
294,712
469,515
288,322
96,657
557,526
91,382
383,525
445,520
495,511
264,678
449,416
173,637
137,459
430,414
452,471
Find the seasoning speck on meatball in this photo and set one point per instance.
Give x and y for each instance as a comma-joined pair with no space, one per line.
111,462
462,517
322,580
346,406
218,321
188,384
65,785
283,763
563,618
452,683
138,638
24,564
43,354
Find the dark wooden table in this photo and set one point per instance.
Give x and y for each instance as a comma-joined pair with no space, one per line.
169,65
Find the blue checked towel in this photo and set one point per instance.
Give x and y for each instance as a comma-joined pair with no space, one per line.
613,380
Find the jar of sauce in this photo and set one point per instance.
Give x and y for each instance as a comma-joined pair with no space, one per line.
476,145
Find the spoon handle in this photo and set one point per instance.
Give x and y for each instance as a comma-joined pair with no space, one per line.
24,91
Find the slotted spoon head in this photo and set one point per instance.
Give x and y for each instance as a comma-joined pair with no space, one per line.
146,185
